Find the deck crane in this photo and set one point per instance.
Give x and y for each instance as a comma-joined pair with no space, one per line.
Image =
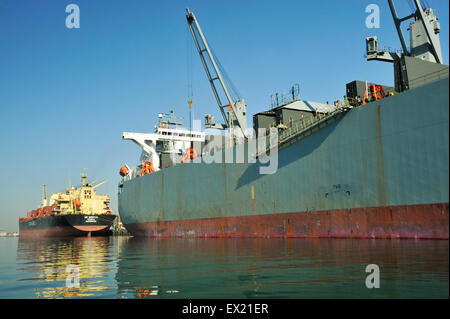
423,58
233,112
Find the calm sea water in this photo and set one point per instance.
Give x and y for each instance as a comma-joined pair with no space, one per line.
127,267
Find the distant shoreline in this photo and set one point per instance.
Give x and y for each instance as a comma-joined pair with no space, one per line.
9,235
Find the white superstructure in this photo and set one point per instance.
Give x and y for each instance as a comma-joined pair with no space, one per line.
168,138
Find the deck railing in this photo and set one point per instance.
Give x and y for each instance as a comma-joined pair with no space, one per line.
306,123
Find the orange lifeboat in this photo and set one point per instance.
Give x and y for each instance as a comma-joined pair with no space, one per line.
147,168
77,202
124,171
189,155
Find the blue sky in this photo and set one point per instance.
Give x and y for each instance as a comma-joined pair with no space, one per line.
66,95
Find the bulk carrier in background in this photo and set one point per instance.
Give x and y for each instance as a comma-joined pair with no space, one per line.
77,212
373,165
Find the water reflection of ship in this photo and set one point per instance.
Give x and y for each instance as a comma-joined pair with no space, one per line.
151,268
266,268
46,261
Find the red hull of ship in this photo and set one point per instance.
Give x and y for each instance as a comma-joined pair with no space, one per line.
50,232
65,226
67,231
94,228
429,221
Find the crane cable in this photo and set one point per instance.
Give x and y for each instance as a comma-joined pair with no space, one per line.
235,95
190,90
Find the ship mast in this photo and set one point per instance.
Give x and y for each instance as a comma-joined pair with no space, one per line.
83,178
44,195
236,120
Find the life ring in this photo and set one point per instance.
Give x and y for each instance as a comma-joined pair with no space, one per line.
124,171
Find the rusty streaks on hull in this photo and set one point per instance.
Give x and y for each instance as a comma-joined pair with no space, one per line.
410,221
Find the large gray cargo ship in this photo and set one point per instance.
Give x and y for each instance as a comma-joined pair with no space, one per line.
373,165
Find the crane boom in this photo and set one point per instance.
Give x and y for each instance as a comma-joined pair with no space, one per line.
236,109
432,34
99,184
430,31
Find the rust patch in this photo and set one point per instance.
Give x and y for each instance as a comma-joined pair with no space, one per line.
288,228
413,221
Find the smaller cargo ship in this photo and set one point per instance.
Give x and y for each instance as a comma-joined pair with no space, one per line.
77,212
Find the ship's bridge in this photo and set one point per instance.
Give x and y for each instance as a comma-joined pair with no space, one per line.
165,146
169,134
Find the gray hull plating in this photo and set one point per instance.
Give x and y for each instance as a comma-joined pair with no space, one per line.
389,152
